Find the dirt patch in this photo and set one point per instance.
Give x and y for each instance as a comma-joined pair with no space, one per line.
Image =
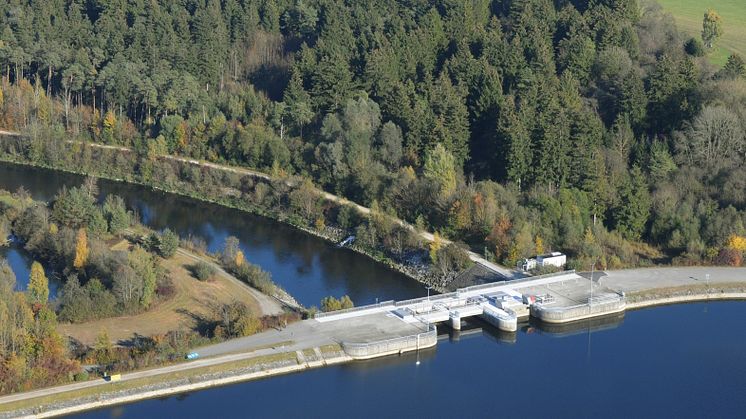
192,300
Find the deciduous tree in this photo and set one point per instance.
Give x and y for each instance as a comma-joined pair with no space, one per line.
38,287
81,249
712,27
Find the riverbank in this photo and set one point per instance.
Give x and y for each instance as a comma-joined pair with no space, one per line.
417,271
174,383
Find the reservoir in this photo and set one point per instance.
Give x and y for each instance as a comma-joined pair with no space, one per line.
686,361
672,361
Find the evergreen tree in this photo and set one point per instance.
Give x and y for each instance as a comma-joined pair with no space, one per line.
633,209
734,67
116,214
517,152
297,103
168,243
211,37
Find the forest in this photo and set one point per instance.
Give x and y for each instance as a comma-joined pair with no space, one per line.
512,126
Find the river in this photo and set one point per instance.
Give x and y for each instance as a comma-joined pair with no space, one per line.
308,267
673,361
20,264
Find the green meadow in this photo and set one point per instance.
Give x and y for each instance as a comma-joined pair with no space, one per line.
689,14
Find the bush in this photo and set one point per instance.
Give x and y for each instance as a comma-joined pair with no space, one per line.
332,304
729,257
195,244
165,288
694,47
168,243
81,376
256,277
203,271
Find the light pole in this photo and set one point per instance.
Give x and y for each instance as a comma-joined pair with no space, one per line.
707,290
593,266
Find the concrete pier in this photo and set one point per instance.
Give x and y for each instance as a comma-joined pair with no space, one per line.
455,320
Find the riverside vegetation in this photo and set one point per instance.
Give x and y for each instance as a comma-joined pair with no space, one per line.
514,126
72,236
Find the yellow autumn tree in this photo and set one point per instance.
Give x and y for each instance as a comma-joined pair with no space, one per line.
38,286
513,255
110,121
277,171
435,245
81,249
95,120
181,135
736,242
42,109
539,244
240,259
53,229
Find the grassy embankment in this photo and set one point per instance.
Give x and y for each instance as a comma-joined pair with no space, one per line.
192,300
689,15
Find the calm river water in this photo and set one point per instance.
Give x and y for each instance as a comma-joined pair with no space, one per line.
307,267
674,361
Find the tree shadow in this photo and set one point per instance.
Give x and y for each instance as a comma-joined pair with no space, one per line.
203,325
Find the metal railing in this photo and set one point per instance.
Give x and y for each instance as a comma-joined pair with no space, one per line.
439,297
382,304
514,281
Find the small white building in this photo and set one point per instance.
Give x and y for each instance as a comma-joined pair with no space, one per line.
526,264
552,259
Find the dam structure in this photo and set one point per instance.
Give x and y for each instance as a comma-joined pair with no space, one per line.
395,327
554,298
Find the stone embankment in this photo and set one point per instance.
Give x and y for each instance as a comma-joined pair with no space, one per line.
686,294
169,387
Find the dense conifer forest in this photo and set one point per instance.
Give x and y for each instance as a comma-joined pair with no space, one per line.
513,126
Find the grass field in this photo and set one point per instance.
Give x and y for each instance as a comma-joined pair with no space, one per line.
689,14
192,299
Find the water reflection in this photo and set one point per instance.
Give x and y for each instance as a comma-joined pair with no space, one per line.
595,324
20,262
